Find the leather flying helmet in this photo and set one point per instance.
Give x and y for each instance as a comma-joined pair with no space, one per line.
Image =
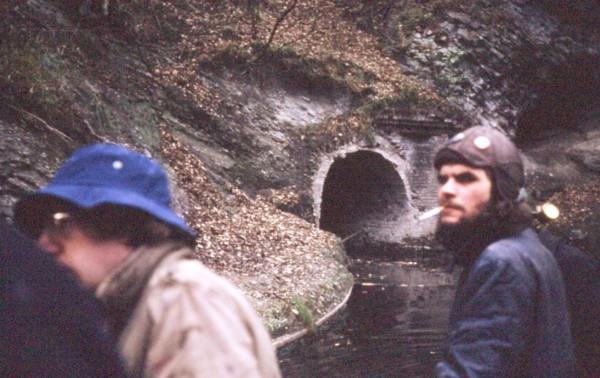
487,147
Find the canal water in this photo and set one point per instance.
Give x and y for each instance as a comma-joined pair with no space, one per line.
394,324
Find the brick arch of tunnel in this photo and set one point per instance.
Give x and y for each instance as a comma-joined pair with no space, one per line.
361,189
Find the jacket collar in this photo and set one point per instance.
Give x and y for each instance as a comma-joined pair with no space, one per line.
123,288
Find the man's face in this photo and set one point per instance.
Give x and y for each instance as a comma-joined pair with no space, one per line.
92,260
464,193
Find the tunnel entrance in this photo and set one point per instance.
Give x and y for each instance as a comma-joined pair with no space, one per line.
566,102
362,192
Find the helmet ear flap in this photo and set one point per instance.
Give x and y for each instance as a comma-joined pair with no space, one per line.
509,181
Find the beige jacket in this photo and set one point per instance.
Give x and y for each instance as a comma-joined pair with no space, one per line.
184,320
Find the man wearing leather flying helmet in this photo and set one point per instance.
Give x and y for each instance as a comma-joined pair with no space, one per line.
509,317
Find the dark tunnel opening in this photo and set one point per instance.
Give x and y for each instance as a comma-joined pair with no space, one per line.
361,187
565,102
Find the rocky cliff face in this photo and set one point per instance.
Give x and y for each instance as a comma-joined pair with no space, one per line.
259,110
530,67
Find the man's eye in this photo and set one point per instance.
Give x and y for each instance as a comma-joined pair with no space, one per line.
466,178
442,179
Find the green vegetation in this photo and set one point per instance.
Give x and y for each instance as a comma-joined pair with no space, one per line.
416,15
301,309
33,77
329,74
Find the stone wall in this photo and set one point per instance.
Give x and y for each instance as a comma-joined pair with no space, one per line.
403,186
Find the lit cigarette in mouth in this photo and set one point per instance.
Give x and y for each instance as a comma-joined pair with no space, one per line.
430,213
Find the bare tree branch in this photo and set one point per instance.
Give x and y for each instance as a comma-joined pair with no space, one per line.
278,22
62,135
93,133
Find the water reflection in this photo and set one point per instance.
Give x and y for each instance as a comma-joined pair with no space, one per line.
393,326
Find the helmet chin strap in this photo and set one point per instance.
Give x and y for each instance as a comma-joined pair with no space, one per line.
523,195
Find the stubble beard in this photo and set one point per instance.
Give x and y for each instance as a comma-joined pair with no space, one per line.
468,238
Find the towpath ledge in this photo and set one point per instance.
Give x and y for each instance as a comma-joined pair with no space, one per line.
308,290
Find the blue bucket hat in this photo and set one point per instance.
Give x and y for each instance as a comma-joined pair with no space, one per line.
103,174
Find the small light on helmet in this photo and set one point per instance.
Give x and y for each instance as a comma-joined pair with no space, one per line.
550,211
482,142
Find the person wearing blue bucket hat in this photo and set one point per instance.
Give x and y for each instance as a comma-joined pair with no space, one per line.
107,215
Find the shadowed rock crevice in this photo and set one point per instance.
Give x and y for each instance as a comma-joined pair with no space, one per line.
566,101
360,189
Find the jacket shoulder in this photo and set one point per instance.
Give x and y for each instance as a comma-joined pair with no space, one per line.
515,247
176,276
186,271
523,254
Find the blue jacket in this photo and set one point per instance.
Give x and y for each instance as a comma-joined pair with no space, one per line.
581,274
509,317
